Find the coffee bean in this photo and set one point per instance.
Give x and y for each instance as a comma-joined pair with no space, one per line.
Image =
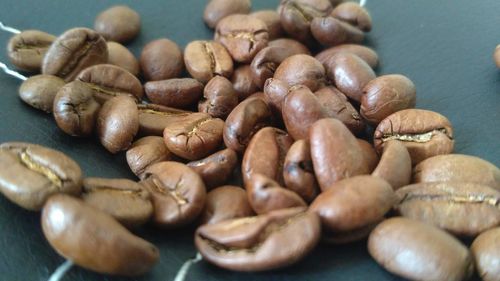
118,23
125,200
258,95
75,109
146,152
395,165
207,59
298,172
290,44
30,174
216,10
178,193
243,82
260,243
120,56
486,252
354,14
243,36
39,91
27,49
216,169
302,70
275,92
178,93
417,251
154,118
330,31
73,51
219,98
118,123
272,20
369,154
226,203
94,240
161,59
424,133
474,206
496,56
365,53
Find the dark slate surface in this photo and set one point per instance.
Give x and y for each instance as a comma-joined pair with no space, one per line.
445,47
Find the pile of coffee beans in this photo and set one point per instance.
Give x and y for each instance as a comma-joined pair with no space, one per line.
268,149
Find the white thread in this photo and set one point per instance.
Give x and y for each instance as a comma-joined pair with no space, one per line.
61,271
12,72
9,29
362,3
181,275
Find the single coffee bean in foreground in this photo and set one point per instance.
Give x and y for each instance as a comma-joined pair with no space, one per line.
120,56
39,91
486,252
216,169
27,49
273,22
118,23
225,203
416,251
161,59
219,98
302,70
354,14
298,171
330,31
394,165
243,82
216,10
206,59
146,152
177,92
94,240
365,53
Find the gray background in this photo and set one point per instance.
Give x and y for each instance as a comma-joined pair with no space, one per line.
445,47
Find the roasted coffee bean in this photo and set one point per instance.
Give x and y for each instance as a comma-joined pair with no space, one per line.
290,44
417,251
457,168
118,23
243,82
350,74
120,56
178,193
354,14
385,95
302,70
349,208
207,59
272,20
275,92
216,169
260,243
496,56
118,123
226,203
178,93
330,31
335,153
242,35
219,98
216,10
125,200
369,154
298,171
161,59
146,152
474,206
75,109
194,139
39,91
73,51
258,95
394,165
365,53
424,133
94,240
486,252
30,174
154,118
27,49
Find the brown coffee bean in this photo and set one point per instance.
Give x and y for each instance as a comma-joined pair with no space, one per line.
259,243
73,51
395,165
272,20
146,152
226,203
290,44
243,36
219,98
302,70
243,82
335,153
178,193
39,91
118,23
118,123
385,95
486,252
258,95
161,59
194,139
94,240
354,14
30,174
120,56
216,169
417,251
351,205
27,49
424,133
369,154
365,53
298,171
330,31
216,10
474,206
496,56
126,201
178,93
75,109
207,59
275,92
154,118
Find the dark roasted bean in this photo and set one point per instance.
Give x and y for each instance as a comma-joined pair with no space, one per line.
178,93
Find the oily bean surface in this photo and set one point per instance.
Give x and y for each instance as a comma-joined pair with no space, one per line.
486,252
225,203
207,59
329,31
120,56
394,165
219,98
216,10
178,92
118,23
243,82
39,91
354,14
161,59
146,152
298,171
27,49
216,169
302,70
365,53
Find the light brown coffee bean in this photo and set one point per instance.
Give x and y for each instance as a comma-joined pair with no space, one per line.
217,168
216,10
330,31
146,152
226,203
219,98
120,56
243,82
207,59
154,118
27,49
118,23
178,93
395,165
290,44
39,91
302,70
161,59
486,252
272,20
354,14
365,53
298,171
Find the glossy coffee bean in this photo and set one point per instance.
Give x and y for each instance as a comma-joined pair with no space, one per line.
30,174
486,252
207,59
298,171
178,92
94,240
216,10
273,22
354,14
395,165
259,243
290,44
118,23
330,31
126,201
365,53
424,133
416,251
161,59
226,203
120,56
275,92
496,56
154,118
370,156
216,169
39,91
302,70
73,51
243,82
219,98
146,152
178,193
27,49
